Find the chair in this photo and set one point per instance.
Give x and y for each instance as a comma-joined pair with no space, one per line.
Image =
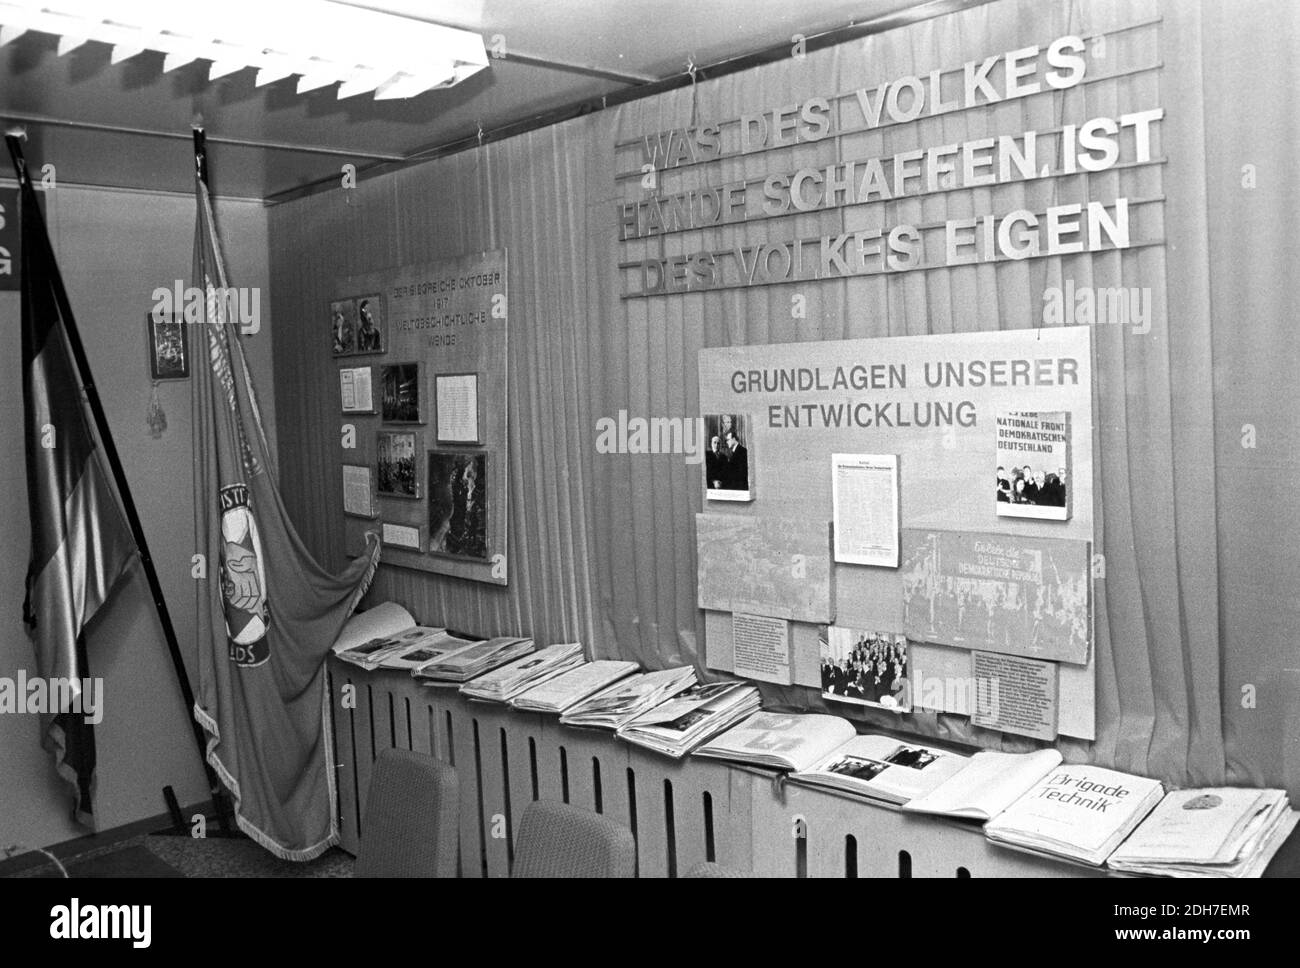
557,840
411,819
710,869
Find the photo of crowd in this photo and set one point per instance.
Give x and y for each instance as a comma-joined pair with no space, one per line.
1024,485
1041,608
866,668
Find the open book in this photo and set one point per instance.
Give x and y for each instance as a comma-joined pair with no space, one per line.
677,726
386,636
472,660
628,698
1078,812
883,768
826,751
783,741
987,784
508,681
558,694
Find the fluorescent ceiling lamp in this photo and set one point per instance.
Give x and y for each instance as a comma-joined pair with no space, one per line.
319,41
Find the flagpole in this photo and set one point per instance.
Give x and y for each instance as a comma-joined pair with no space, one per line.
124,494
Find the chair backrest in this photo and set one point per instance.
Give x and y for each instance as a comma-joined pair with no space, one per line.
708,868
412,811
559,840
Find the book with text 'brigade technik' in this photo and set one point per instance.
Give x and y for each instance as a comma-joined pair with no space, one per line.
1078,812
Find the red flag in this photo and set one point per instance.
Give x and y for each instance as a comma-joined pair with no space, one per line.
267,612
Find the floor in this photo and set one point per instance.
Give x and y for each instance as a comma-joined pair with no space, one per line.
171,855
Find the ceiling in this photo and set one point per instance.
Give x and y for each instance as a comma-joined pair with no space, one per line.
267,141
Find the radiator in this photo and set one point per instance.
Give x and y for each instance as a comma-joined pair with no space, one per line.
680,812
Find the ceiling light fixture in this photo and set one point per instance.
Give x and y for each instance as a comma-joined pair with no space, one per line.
319,41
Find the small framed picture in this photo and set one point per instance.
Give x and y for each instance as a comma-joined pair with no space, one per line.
396,465
455,398
372,324
401,398
343,326
356,390
458,511
409,537
358,325
359,491
169,346
728,461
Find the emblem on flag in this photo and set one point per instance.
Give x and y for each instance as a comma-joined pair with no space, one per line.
243,579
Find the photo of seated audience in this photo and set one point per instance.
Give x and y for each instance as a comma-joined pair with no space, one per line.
866,668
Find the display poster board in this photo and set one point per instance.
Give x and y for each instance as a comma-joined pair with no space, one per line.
435,335
932,402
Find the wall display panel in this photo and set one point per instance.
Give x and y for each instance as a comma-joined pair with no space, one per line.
444,335
932,402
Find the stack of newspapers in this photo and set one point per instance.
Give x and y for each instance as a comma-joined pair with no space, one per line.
506,682
622,702
472,660
677,726
567,690
1211,832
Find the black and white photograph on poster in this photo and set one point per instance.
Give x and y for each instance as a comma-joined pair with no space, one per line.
865,668
343,326
370,324
400,393
1033,466
169,350
458,504
729,459
395,463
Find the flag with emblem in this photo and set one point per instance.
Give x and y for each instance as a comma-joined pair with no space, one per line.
267,612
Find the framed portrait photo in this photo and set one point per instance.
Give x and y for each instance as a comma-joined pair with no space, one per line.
397,471
401,394
458,496
169,346
729,458
372,325
343,326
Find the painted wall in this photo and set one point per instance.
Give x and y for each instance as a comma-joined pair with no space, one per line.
114,248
